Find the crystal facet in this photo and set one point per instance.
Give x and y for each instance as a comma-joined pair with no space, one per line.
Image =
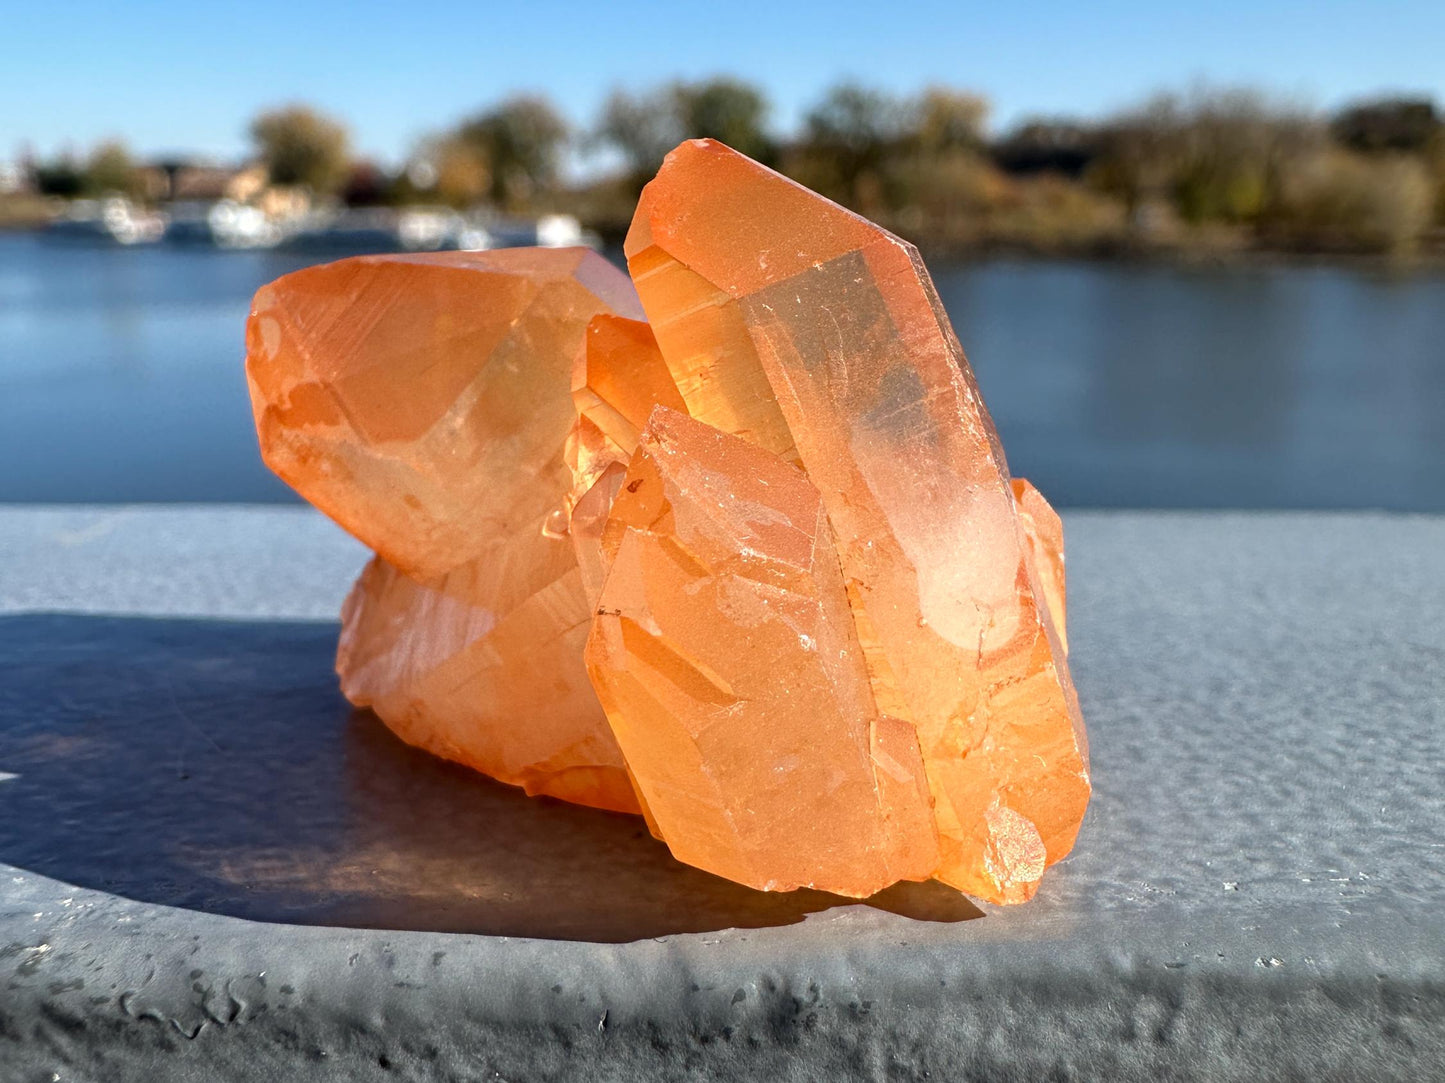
483,666
724,655
1044,534
618,379
425,403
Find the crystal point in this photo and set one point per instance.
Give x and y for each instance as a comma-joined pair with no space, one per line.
1044,537
425,403
806,330
620,378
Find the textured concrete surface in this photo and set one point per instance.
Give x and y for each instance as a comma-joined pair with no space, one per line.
210,868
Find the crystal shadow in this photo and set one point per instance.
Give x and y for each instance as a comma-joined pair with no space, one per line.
212,765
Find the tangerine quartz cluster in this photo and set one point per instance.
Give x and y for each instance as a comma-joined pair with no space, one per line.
736,548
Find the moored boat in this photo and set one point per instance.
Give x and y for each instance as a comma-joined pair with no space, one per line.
112,220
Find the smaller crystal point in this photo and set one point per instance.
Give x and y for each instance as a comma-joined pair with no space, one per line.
482,666
724,654
425,403
620,377
587,523
1045,533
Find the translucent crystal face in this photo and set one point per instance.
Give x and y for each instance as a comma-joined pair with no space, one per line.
620,377
724,654
425,403
826,626
803,329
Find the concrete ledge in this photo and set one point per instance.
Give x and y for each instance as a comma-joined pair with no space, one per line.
210,868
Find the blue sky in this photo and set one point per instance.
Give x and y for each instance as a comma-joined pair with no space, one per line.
168,76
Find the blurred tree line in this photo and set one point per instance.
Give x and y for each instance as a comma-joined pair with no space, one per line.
1212,170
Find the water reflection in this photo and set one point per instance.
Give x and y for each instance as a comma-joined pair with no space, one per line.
1259,387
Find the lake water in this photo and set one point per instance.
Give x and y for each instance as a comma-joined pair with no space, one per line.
1112,385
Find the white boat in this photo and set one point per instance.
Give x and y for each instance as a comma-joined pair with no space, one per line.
237,225
546,231
113,219
559,231
429,229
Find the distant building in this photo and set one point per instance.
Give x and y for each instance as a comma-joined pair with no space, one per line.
248,184
189,180
201,182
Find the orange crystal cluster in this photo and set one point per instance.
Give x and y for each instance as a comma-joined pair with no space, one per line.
738,550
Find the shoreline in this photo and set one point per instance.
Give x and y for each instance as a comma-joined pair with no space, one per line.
1144,253
1112,250
1189,257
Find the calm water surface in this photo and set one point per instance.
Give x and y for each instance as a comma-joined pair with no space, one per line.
1121,386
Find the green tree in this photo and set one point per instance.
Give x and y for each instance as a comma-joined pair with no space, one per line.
459,175
1216,155
1138,151
644,127
855,118
300,146
640,127
111,169
1394,125
724,109
1435,164
849,137
945,119
520,142
1339,198
1409,125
